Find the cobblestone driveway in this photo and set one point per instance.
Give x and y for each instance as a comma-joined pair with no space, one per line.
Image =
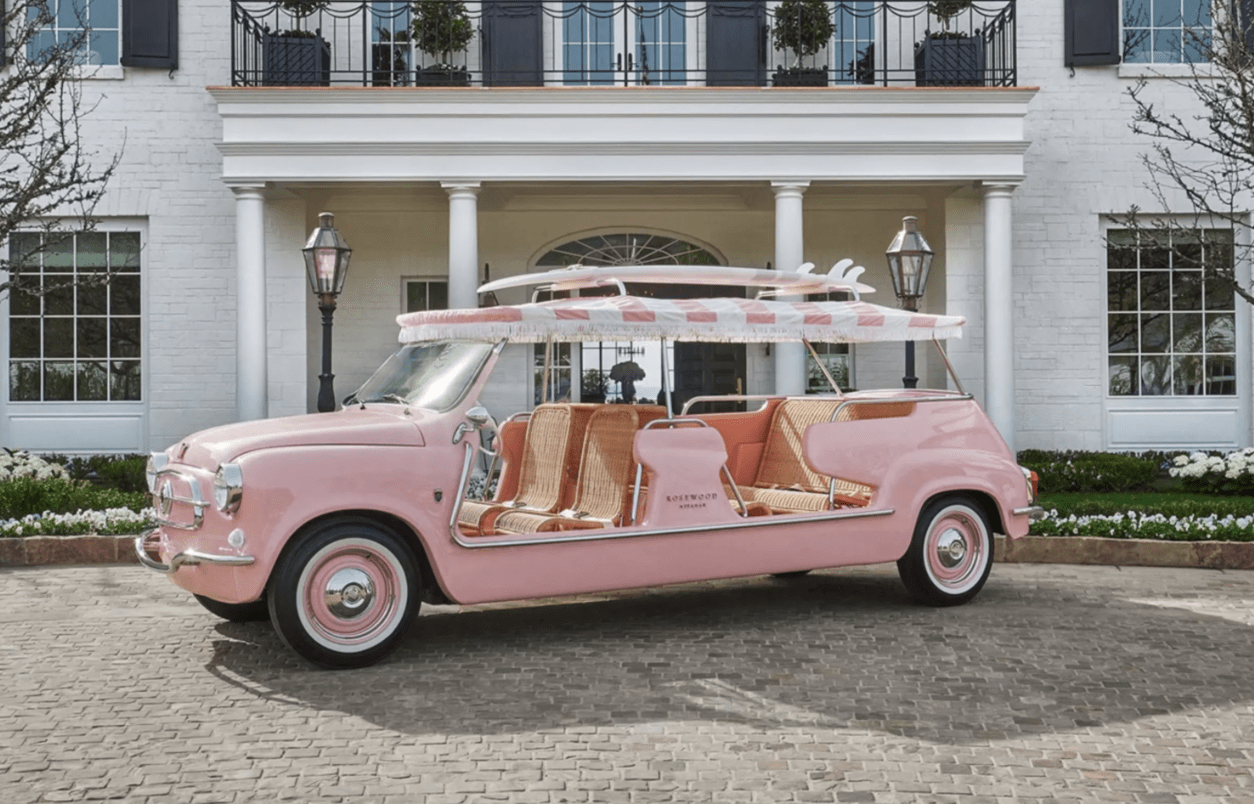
1057,683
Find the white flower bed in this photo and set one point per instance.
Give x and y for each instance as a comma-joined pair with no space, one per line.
112,521
16,463
1134,525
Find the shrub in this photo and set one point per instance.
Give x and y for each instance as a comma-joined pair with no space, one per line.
1216,473
121,472
1091,471
25,496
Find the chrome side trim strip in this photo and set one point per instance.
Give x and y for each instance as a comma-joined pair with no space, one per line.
189,558
1034,513
593,536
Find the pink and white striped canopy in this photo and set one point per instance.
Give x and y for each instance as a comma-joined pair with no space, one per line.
635,318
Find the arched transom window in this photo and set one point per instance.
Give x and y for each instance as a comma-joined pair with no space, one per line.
629,248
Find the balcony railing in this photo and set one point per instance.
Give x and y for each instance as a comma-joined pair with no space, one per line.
623,43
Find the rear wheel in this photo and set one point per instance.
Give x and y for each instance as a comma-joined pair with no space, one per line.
951,554
237,612
345,594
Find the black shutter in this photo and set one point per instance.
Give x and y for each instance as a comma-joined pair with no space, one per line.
1091,32
735,47
3,44
1246,21
150,33
512,43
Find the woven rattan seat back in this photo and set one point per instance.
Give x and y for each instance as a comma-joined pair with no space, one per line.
606,464
782,464
540,477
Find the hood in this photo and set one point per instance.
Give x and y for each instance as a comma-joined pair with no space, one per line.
384,426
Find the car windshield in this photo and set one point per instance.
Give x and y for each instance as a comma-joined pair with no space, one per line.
433,375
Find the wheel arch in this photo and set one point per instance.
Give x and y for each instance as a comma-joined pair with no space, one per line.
988,505
430,590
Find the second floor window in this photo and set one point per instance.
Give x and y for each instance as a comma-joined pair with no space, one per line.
1166,31
90,24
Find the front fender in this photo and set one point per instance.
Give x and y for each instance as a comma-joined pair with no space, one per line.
286,488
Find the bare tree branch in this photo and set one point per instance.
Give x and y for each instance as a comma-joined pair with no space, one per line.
49,182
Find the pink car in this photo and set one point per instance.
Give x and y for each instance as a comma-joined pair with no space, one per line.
335,526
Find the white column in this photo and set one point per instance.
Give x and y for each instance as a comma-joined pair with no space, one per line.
999,363
463,244
250,291
790,361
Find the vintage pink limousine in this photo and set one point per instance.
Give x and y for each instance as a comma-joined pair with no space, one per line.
336,525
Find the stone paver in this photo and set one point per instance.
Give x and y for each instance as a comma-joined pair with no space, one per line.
1059,683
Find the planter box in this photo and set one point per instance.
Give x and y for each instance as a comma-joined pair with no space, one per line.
296,61
949,62
441,77
800,77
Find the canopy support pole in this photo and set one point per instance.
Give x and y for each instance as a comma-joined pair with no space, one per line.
548,351
666,383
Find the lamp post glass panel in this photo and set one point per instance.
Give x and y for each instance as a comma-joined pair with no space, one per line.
909,260
326,262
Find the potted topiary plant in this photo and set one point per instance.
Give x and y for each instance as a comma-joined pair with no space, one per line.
948,57
440,29
297,56
803,28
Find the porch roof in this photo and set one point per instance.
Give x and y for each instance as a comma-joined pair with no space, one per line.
384,134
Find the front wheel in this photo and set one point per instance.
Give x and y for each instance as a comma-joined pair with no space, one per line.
951,554
345,594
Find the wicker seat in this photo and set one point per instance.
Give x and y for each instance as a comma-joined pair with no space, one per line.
785,482
604,478
554,434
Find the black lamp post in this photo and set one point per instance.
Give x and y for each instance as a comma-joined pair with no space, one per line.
326,261
909,260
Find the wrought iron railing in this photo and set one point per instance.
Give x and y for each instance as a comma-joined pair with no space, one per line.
623,43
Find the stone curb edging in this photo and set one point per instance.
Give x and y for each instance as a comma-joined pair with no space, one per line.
47,550
30,551
1124,552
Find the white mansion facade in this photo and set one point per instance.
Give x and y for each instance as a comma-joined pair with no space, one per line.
625,131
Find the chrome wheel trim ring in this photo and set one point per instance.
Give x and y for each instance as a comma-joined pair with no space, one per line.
379,596
956,549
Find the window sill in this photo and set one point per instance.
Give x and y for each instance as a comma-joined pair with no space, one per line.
1167,71
103,72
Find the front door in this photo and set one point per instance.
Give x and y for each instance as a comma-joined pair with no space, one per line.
705,369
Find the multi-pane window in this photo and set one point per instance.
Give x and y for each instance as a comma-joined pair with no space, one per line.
1171,327
853,45
390,49
1166,31
91,25
560,373
77,337
422,295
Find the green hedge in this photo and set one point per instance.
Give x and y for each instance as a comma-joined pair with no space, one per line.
121,472
1073,470
24,496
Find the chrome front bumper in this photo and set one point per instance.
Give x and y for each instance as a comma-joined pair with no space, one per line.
1034,513
185,558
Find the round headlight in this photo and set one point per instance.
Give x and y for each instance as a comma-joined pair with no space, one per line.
228,487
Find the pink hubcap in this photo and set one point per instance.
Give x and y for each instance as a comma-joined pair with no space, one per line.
956,549
352,594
